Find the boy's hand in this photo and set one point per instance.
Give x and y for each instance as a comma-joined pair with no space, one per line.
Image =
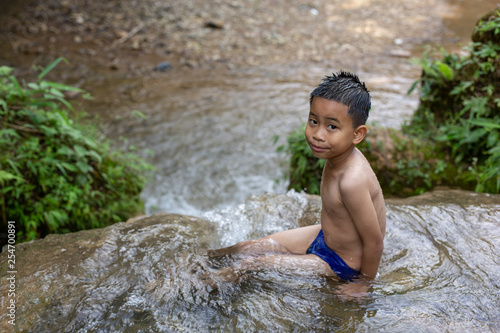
353,291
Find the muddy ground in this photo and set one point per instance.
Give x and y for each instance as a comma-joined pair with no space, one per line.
129,38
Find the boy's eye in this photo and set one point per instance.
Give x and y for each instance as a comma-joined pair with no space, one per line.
313,121
332,127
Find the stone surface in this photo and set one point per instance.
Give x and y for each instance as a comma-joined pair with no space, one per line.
56,273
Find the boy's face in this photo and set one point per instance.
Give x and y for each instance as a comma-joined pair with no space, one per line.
329,130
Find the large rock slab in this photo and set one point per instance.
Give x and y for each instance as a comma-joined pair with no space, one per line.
93,279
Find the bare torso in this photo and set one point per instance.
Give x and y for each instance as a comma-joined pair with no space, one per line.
341,233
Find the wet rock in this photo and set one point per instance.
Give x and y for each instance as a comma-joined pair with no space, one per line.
114,66
398,53
163,66
136,44
58,275
53,273
214,24
312,211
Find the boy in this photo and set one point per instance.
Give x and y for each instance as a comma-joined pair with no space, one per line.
349,241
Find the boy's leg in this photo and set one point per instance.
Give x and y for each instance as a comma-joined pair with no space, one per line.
298,240
306,265
255,247
293,241
284,251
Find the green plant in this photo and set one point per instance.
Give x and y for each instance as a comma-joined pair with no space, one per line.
56,176
305,168
459,109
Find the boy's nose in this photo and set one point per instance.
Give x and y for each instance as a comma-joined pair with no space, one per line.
318,135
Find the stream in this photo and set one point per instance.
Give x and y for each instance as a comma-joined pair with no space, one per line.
210,133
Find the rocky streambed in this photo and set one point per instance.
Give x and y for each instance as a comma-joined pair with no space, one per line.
439,272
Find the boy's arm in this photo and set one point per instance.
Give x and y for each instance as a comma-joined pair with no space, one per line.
356,198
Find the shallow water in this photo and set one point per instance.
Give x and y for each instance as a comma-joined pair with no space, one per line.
210,135
439,273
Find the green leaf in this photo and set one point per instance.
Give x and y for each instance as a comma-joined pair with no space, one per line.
34,86
3,103
84,167
60,167
139,114
7,189
80,151
19,90
5,70
4,175
445,70
49,131
65,102
413,86
95,156
32,167
65,150
50,67
485,123
54,94
60,86
69,167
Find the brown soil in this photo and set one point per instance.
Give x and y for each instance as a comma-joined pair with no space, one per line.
131,37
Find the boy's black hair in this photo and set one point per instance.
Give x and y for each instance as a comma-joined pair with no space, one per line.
346,88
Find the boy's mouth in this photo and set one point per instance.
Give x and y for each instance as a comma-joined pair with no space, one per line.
317,149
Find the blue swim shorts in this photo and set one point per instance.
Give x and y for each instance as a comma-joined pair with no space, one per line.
337,264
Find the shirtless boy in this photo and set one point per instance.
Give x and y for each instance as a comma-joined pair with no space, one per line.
349,241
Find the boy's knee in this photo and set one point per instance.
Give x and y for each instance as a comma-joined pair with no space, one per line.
249,245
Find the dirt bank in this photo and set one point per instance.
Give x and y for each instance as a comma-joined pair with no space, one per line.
133,36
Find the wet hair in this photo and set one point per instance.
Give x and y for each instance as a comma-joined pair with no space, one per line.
346,88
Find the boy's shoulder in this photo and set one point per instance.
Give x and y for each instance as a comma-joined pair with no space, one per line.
358,172
357,163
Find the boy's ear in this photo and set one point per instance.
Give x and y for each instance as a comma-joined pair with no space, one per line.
359,134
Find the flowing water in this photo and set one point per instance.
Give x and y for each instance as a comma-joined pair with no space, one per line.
211,134
439,273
